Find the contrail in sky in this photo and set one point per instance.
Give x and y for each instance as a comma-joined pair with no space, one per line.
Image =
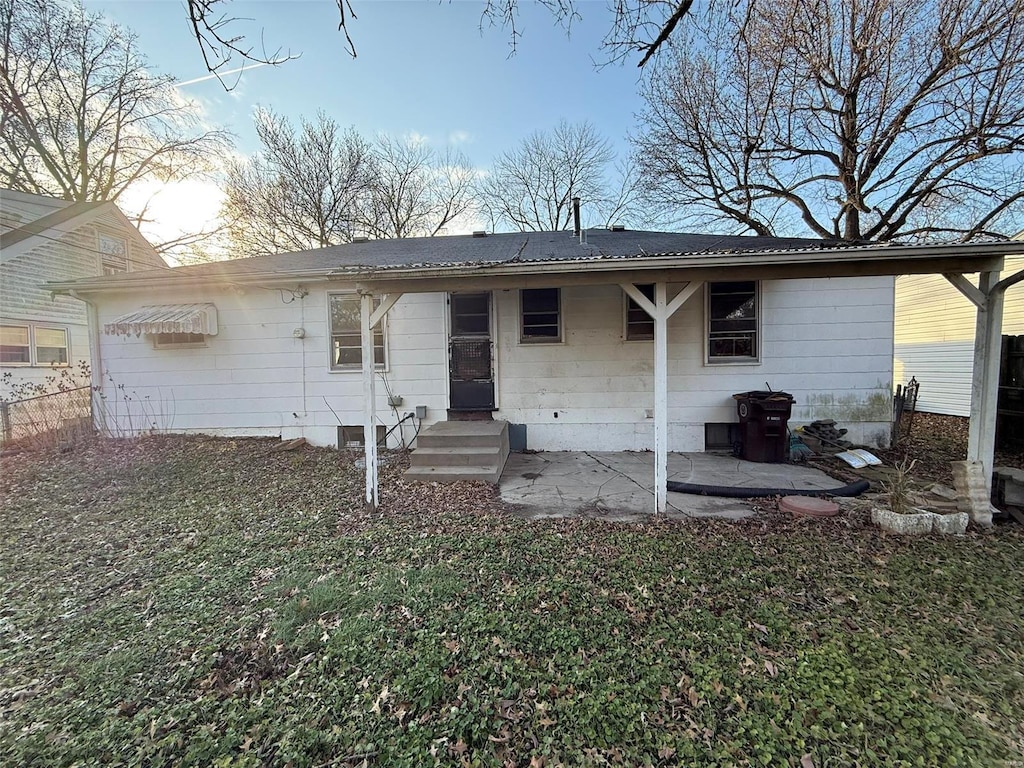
222,74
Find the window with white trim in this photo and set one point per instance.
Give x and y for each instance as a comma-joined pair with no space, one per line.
15,348
346,337
35,345
639,324
540,315
732,312
113,254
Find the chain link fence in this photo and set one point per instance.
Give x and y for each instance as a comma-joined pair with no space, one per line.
58,419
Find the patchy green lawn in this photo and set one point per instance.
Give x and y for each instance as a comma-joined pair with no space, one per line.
211,602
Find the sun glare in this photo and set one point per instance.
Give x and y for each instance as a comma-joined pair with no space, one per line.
175,209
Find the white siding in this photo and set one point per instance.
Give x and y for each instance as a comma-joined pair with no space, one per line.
828,342
24,299
934,337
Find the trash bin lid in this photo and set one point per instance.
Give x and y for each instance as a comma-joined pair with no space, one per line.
763,395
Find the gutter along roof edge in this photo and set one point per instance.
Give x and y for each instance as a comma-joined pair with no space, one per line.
882,252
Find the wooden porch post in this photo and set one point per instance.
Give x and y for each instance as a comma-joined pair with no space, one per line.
369,318
369,399
660,397
985,380
660,310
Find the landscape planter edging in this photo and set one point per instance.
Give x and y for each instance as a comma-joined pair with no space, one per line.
919,523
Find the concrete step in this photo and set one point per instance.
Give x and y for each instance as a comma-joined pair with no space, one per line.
464,434
478,455
460,450
454,474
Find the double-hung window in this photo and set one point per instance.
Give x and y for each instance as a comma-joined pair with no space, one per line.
33,345
113,254
732,313
540,315
639,325
346,337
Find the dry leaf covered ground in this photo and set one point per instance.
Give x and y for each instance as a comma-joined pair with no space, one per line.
194,601
936,440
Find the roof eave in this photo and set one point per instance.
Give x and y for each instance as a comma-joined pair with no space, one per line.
892,255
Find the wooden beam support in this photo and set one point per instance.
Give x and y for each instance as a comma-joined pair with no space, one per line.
681,298
370,318
642,301
660,310
966,287
988,342
386,303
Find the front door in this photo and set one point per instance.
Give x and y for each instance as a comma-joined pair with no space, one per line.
471,371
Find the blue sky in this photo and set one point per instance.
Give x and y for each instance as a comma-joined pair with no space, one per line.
424,67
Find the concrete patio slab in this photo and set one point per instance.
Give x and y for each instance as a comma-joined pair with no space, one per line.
619,486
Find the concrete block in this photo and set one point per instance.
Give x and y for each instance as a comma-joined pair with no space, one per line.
972,491
920,523
950,525
914,524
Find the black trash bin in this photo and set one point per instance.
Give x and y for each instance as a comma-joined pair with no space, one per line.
764,425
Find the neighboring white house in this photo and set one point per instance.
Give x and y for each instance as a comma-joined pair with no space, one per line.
43,239
537,329
934,337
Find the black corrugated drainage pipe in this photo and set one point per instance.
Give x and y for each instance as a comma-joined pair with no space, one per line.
734,492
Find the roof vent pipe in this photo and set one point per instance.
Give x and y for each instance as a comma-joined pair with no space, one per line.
576,217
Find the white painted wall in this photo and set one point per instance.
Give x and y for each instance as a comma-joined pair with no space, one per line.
934,337
255,378
828,342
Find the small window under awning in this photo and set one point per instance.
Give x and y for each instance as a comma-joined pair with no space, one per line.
166,318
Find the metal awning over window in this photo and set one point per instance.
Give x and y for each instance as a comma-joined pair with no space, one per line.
166,318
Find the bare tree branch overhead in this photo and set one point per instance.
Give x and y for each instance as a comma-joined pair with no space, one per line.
302,190
82,117
532,186
319,185
638,27
858,121
416,191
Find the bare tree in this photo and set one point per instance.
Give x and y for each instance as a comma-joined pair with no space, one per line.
321,185
531,187
415,191
866,120
82,118
304,190
638,27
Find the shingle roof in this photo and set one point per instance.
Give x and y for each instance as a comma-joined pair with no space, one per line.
517,247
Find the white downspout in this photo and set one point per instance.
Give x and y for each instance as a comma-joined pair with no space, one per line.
95,354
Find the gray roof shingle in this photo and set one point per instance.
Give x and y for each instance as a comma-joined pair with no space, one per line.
516,247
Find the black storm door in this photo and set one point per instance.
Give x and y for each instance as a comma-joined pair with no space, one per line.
470,367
